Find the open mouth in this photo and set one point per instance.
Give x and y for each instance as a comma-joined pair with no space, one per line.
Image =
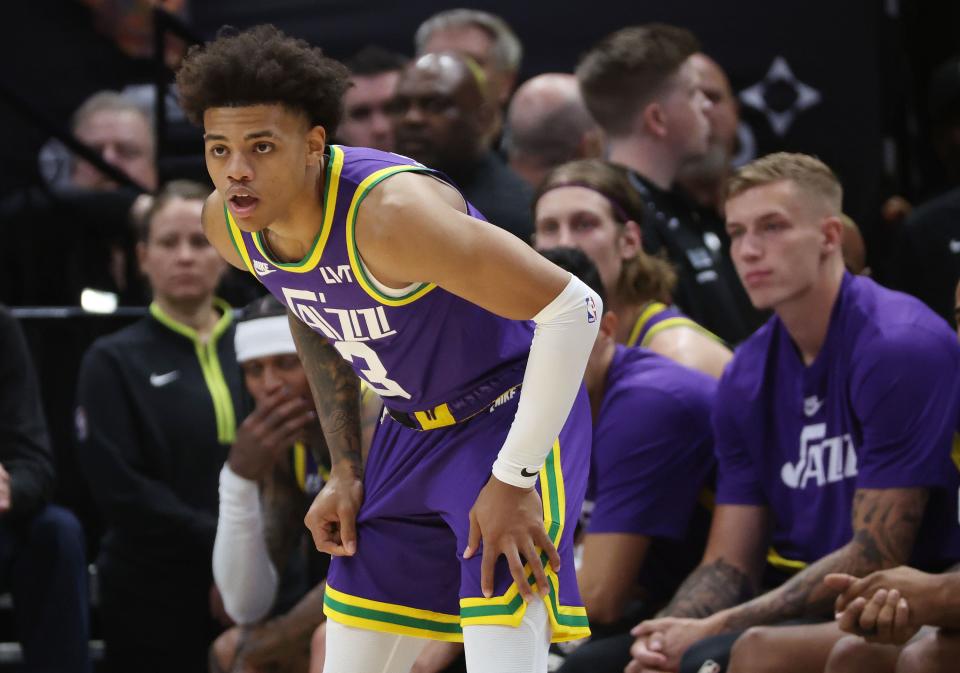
243,204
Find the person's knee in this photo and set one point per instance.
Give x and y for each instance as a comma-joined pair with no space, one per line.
56,530
931,654
753,652
848,656
224,648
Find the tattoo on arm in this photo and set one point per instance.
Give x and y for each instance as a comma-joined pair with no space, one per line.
336,392
885,524
709,589
283,507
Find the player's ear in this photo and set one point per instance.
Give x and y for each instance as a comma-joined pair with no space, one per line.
609,324
631,240
832,230
653,119
316,144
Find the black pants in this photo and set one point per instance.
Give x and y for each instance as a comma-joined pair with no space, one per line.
155,622
43,565
611,655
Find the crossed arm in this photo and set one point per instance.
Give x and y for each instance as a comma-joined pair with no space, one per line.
885,524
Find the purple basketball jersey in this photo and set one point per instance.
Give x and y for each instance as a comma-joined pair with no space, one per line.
419,347
657,317
876,409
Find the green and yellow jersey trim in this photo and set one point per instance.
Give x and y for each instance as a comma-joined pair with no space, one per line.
236,238
390,618
567,622
785,564
359,272
654,308
209,365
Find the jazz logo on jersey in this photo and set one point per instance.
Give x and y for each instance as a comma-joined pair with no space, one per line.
591,310
824,460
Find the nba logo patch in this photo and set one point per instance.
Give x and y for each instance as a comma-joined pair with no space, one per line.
591,310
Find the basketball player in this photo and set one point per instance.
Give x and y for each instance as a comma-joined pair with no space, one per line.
390,275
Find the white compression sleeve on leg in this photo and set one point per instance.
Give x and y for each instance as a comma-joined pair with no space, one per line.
353,650
241,564
509,649
566,330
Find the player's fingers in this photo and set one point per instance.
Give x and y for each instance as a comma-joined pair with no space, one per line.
348,530
901,621
868,618
885,616
839,581
473,538
517,572
539,575
543,541
488,563
646,627
849,618
646,657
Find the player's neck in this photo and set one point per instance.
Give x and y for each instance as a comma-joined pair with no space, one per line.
291,236
651,159
595,378
807,316
628,314
199,315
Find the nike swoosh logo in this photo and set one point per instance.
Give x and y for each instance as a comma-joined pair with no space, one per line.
524,473
267,272
160,380
812,408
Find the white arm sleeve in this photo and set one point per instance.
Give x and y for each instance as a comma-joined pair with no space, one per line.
241,565
566,330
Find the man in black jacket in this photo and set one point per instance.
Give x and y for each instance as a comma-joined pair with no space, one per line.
41,545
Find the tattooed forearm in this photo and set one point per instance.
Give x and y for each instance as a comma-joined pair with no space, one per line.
283,507
709,589
336,392
885,524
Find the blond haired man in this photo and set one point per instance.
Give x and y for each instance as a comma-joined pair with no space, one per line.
833,428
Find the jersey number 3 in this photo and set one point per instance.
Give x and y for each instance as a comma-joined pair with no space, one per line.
374,372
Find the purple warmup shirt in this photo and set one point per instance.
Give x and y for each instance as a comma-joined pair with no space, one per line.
417,348
652,446
876,409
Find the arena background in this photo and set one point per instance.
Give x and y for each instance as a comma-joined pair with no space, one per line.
845,81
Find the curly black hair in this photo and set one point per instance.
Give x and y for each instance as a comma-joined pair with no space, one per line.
262,66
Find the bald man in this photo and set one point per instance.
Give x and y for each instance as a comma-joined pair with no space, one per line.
705,177
442,117
548,124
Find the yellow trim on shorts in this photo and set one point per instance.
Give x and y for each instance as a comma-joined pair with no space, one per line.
390,618
567,622
781,563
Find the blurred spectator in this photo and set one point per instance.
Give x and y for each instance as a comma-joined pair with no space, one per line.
267,484
642,86
374,74
484,37
591,205
548,125
704,177
930,252
42,557
154,421
645,530
833,431
944,107
119,131
853,248
442,119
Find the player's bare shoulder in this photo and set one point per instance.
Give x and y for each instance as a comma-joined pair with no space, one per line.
409,190
215,229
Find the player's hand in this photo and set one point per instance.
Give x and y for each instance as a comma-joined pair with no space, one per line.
4,490
267,646
887,606
278,421
509,521
332,518
660,643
